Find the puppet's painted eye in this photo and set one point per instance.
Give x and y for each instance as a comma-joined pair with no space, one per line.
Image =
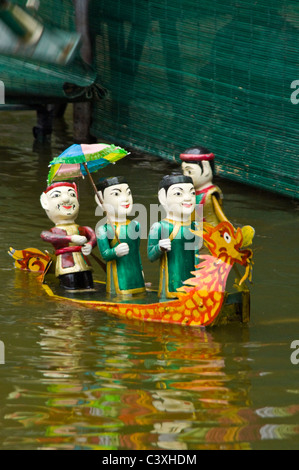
227,237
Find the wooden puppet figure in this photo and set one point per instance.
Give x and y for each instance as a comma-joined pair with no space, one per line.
119,238
72,242
171,240
198,163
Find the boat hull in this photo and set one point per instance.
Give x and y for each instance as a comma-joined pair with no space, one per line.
148,308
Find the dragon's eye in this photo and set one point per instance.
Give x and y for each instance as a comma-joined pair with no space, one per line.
227,237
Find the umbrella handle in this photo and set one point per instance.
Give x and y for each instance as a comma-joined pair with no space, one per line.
98,196
103,265
91,180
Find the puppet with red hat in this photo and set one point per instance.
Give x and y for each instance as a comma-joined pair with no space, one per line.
72,242
198,163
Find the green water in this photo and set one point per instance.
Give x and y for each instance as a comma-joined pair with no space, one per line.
78,379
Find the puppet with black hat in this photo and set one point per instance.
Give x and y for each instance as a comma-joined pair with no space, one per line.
118,239
171,240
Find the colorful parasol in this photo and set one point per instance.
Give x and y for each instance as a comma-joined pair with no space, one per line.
83,159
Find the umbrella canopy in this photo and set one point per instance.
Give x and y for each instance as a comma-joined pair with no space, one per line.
79,160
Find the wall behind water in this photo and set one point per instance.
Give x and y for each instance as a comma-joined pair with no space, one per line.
217,73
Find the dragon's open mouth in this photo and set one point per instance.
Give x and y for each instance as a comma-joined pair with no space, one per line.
246,261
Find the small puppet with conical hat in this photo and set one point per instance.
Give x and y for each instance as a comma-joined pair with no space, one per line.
119,238
72,242
171,241
198,163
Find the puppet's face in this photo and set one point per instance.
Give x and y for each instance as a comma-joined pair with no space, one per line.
200,176
118,201
179,201
61,204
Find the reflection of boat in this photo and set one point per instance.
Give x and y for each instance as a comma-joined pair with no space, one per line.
203,301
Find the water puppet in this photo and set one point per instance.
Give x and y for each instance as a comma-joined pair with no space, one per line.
72,242
199,164
118,239
171,240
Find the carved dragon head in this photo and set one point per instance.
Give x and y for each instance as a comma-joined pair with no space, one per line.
225,243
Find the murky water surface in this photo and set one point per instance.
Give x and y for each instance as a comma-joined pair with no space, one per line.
78,379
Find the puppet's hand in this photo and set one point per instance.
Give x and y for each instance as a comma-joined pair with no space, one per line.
122,250
86,249
78,240
165,245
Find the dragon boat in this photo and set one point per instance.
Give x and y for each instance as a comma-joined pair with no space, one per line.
202,301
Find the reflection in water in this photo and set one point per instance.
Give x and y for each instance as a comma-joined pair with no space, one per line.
86,390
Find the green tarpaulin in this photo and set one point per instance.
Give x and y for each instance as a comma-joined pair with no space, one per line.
34,82
30,82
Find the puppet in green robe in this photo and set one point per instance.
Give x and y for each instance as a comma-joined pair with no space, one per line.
119,240
171,241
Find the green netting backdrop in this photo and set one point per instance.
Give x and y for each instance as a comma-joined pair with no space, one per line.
216,73
185,72
33,82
